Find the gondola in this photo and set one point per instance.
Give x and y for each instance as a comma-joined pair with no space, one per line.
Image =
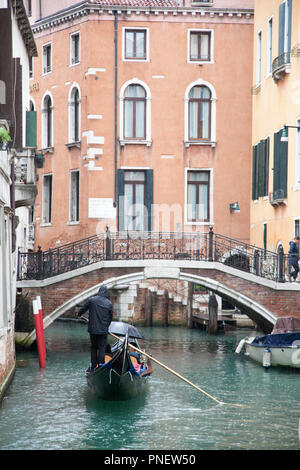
123,376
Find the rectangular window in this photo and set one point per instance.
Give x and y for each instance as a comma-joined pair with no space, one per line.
75,49
260,169
134,191
135,199
47,199
30,67
198,190
74,196
265,237
270,42
258,59
200,46
47,59
135,44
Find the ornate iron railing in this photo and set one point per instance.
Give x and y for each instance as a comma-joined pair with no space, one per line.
153,245
279,64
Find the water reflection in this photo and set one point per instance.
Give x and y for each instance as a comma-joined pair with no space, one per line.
54,409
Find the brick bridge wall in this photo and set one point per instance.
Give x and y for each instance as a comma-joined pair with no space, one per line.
278,299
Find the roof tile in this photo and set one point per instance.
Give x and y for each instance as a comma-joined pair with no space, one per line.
137,3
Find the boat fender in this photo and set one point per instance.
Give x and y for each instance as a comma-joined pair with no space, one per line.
267,358
240,346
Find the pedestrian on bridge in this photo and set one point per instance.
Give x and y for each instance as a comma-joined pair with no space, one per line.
293,259
100,315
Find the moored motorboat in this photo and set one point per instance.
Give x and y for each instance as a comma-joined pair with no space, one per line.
124,375
279,348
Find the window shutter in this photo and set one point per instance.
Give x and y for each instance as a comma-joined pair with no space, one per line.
260,167
283,165
266,166
31,129
254,165
281,29
149,199
290,9
276,169
121,202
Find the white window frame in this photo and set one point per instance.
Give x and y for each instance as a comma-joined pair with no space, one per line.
44,122
71,114
213,123
44,204
211,198
270,46
71,221
258,57
148,140
72,57
141,28
45,66
196,30
297,157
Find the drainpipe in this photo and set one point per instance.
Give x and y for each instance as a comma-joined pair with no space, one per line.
40,5
116,106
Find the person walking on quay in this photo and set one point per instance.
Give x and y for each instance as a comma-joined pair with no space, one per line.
293,259
100,315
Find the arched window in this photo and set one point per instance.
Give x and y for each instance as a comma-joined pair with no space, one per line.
74,115
200,113
135,112
47,122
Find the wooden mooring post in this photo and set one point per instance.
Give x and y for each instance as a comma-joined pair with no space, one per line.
148,308
212,326
165,308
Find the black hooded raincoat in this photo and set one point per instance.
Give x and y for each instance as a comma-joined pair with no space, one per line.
100,312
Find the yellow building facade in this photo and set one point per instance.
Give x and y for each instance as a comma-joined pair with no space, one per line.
275,201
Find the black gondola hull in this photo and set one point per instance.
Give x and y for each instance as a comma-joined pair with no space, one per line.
118,379
108,385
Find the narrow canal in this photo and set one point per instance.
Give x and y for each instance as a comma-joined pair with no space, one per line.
53,408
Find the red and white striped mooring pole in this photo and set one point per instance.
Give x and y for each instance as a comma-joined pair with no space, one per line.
39,329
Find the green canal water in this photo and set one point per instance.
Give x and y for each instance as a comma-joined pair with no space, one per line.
53,409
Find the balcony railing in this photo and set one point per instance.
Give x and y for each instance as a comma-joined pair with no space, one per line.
281,66
277,197
153,245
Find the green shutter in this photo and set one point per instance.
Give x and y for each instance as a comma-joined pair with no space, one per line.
149,199
260,147
31,129
283,166
290,10
266,166
280,167
276,168
254,166
281,29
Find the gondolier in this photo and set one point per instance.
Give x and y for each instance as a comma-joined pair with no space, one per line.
100,316
293,259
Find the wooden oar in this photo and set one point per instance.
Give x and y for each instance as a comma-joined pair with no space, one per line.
178,375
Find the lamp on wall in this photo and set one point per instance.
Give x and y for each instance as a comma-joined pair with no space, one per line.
284,134
234,207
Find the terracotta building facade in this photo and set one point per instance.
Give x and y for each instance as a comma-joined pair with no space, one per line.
143,117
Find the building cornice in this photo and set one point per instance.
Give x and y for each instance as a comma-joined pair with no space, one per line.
84,10
24,27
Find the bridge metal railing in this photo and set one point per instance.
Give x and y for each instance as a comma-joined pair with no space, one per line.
152,245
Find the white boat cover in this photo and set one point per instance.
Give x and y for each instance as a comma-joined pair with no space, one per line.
286,325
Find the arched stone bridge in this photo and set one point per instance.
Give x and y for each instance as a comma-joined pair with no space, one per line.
250,278
262,299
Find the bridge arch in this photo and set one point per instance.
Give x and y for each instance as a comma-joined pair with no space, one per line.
257,312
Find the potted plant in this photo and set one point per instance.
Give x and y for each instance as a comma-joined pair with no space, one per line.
4,137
